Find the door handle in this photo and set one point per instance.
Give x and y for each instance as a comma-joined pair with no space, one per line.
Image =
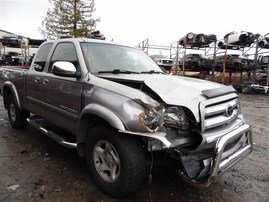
37,79
45,81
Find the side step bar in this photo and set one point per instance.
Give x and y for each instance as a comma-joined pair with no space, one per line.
32,121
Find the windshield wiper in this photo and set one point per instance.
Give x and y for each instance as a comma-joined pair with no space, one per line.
118,71
152,72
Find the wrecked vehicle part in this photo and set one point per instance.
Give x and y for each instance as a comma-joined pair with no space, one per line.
232,62
198,158
196,62
237,39
197,40
263,41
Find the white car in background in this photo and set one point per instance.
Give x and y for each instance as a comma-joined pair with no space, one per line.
243,39
263,41
162,61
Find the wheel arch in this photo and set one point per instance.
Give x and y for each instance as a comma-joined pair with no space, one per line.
9,88
91,116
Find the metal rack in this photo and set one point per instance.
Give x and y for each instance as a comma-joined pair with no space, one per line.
24,50
177,52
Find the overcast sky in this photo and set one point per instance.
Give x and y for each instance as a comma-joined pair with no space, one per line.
162,21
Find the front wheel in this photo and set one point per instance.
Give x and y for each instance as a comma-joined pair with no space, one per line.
116,162
16,116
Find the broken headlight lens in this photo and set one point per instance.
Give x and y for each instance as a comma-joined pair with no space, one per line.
153,119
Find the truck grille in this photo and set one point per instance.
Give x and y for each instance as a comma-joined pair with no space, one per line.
218,111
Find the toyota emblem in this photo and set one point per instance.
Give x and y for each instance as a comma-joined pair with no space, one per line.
229,110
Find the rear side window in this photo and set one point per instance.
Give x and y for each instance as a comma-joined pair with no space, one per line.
64,52
41,57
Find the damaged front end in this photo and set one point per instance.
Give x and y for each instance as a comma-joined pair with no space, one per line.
206,148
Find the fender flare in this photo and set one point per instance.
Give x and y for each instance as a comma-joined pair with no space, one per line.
9,85
95,110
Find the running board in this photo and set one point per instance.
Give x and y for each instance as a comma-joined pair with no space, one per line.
32,121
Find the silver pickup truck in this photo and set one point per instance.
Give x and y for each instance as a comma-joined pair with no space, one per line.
124,113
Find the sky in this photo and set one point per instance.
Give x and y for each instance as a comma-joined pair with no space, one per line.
161,21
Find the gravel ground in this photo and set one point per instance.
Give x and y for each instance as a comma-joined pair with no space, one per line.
34,168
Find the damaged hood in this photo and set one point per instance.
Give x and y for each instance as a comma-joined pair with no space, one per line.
174,90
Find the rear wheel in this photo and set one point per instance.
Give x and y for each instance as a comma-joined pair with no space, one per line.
16,116
116,162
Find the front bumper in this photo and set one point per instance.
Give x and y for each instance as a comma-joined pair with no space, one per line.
221,162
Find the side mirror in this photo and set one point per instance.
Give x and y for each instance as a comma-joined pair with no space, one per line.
65,69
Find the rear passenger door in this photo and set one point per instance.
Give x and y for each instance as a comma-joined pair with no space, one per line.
36,90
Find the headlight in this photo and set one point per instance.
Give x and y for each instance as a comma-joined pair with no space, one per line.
155,118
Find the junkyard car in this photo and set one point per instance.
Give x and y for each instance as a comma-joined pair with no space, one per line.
12,58
197,62
125,114
197,40
13,40
232,62
238,39
263,41
162,61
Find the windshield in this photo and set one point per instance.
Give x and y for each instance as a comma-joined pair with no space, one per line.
108,57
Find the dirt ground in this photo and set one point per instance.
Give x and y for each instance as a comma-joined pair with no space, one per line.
34,168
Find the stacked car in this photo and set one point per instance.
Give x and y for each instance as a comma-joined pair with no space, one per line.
235,40
13,40
197,40
233,62
263,41
11,58
197,62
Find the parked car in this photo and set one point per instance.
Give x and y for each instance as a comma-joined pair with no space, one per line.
12,58
197,62
263,41
162,61
197,40
242,38
232,62
13,40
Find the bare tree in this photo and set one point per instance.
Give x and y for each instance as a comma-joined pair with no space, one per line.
69,18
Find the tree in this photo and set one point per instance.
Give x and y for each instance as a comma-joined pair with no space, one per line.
69,18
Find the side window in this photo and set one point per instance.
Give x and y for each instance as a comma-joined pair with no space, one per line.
64,52
41,57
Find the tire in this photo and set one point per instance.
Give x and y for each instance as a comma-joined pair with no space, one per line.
116,162
16,116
